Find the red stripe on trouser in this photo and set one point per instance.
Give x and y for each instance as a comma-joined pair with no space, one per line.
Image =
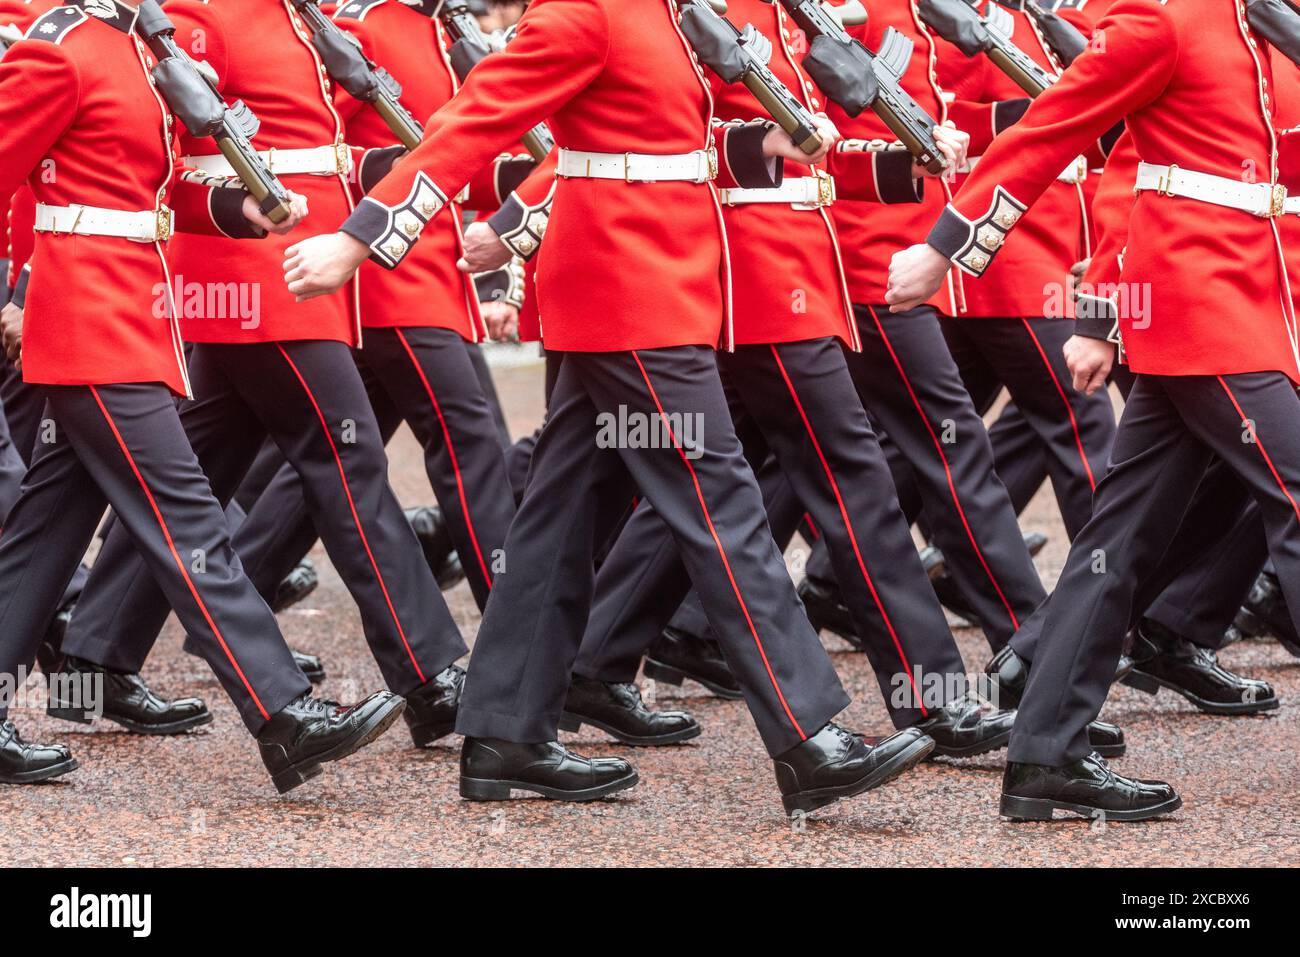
1069,409
1260,445
952,485
171,546
451,451
812,526
848,525
356,519
722,552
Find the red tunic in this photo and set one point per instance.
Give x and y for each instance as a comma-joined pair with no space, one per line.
430,290
1196,93
1033,268
262,54
626,265
787,274
20,206
76,102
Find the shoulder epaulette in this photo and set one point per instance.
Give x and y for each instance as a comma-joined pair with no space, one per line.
56,24
357,9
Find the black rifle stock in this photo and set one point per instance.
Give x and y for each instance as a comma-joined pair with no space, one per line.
1278,22
351,69
741,57
961,25
856,79
469,46
192,95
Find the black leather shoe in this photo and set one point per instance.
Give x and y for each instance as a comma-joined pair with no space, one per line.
1163,659
49,653
617,709
835,763
431,708
124,698
1009,672
1034,542
1266,613
308,732
826,609
963,728
1106,739
23,763
311,665
1031,792
435,539
297,585
490,769
675,656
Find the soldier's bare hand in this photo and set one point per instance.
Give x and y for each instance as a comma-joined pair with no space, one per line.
915,275
11,321
322,264
297,213
953,144
778,145
1077,272
502,320
1089,361
484,250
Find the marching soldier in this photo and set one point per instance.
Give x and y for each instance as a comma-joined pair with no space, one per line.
792,394
633,287
1208,384
287,371
77,93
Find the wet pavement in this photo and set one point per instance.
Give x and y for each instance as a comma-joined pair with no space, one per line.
204,799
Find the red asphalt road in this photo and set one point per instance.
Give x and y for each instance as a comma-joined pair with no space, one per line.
204,799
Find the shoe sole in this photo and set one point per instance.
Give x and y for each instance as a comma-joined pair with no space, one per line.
490,789
1041,809
44,774
672,675
78,716
573,722
905,760
1150,684
982,747
1111,750
315,675
302,772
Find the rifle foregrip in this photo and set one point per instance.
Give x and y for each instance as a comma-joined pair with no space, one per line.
271,196
804,135
403,125
538,142
1008,65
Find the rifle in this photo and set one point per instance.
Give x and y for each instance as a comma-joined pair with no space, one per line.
190,90
469,46
1062,36
959,23
855,78
351,69
740,56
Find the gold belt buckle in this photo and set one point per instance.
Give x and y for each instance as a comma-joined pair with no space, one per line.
825,188
163,224
342,157
1277,201
712,154
1164,186
627,167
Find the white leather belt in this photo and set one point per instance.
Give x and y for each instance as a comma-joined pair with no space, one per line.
1076,172
699,166
146,226
801,192
316,161
1258,199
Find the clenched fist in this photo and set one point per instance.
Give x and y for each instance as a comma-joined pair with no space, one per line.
915,275
322,264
